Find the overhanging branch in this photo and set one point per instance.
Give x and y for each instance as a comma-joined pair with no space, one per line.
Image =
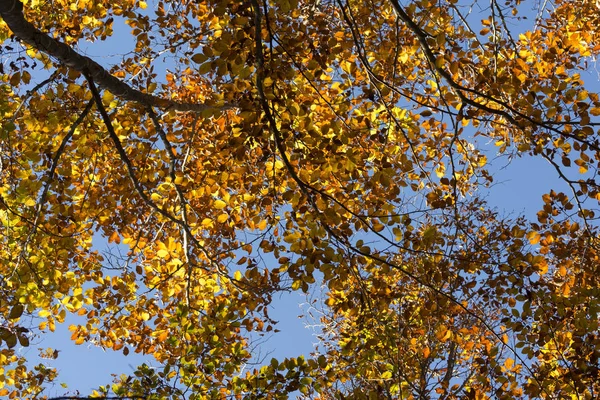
11,12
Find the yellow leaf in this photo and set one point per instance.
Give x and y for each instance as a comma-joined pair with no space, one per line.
509,363
440,171
162,253
222,218
107,97
155,197
386,375
267,82
534,237
562,270
444,334
378,227
262,224
219,204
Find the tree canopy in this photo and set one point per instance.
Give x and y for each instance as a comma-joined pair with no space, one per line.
340,148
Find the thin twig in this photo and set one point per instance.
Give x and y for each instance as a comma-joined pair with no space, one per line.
49,178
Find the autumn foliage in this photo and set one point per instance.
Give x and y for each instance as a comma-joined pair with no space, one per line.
341,148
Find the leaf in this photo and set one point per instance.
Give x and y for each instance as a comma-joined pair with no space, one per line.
339,148
219,204
107,97
23,340
11,340
15,79
155,197
222,218
426,352
199,58
114,238
378,227
16,311
163,253
534,237
508,363
262,225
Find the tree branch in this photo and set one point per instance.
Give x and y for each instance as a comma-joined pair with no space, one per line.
48,181
97,398
11,12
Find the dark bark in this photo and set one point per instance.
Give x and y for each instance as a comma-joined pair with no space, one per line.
11,12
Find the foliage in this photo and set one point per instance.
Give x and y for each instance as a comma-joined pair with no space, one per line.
341,147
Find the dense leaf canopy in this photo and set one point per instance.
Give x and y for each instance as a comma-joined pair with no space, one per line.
340,148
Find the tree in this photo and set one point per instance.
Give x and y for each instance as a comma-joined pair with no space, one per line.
334,146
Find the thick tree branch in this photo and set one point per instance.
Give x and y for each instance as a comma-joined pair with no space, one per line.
138,186
98,398
11,12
